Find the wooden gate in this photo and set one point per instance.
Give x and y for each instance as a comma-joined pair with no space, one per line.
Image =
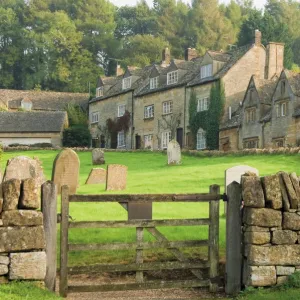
213,197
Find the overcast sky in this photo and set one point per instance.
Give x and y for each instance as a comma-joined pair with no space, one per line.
258,3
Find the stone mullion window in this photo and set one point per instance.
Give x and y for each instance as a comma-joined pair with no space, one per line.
149,111
167,107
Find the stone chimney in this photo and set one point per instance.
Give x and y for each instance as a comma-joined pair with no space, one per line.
190,53
274,59
257,37
119,70
166,56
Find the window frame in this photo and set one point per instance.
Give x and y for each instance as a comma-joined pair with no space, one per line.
121,138
95,116
282,87
119,110
172,77
206,71
165,139
201,143
149,111
167,107
281,109
250,115
251,143
154,83
99,92
126,83
203,104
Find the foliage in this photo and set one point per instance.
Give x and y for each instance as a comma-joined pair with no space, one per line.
76,136
208,120
119,124
76,115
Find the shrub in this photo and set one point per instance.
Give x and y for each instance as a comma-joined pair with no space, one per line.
76,136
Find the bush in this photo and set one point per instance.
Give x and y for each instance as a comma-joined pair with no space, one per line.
76,136
37,145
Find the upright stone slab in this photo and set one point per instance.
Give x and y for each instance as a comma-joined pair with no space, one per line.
252,192
285,197
272,191
174,153
66,170
98,156
295,182
29,194
11,194
116,177
96,176
23,167
290,190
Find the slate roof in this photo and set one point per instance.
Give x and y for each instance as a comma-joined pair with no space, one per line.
235,121
265,88
294,81
17,122
219,56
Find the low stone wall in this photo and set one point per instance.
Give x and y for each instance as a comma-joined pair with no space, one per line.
271,228
22,237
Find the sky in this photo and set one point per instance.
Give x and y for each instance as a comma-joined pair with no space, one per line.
257,3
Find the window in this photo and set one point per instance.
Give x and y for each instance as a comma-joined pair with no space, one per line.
126,83
153,83
250,115
121,139
167,107
202,104
165,140
251,143
201,139
282,88
149,111
281,109
148,141
99,92
206,71
278,143
26,105
95,117
172,77
121,110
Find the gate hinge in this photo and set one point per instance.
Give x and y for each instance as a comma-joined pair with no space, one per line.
225,197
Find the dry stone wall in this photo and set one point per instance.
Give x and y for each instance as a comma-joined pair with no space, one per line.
271,228
22,237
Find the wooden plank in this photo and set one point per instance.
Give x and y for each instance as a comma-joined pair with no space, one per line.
145,198
138,286
177,253
233,240
139,253
49,209
63,284
139,223
152,266
139,246
214,211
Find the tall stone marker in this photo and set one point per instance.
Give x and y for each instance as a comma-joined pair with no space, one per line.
174,153
116,177
66,170
98,157
23,167
96,176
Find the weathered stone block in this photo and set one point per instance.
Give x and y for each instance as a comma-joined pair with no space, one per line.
285,197
259,276
30,266
256,229
263,217
281,237
252,191
281,279
29,194
257,238
291,221
22,218
290,190
11,194
295,182
3,269
4,260
21,238
283,255
273,195
284,271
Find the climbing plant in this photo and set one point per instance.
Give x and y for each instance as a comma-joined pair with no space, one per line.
208,120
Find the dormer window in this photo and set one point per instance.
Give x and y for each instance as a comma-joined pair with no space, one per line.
282,88
26,104
126,83
172,77
99,92
206,71
154,83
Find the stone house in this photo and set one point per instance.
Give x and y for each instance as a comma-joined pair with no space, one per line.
159,95
28,128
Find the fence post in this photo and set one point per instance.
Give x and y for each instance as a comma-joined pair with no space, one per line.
49,209
233,240
64,226
214,211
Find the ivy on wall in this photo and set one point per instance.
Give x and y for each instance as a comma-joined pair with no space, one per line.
208,120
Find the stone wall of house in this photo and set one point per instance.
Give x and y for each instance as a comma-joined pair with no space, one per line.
271,228
22,238
229,139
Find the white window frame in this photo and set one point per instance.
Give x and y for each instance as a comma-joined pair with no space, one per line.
148,138
126,83
121,139
153,83
94,117
283,109
165,139
206,71
167,107
201,139
121,110
172,77
149,111
203,104
99,92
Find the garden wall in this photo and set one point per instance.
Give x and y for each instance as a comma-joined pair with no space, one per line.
22,237
271,228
